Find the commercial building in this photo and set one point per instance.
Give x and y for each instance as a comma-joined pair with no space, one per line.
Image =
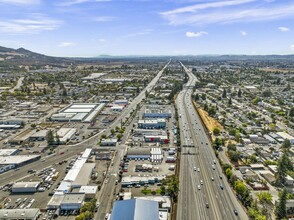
55,201
121,102
65,134
72,201
138,153
25,187
156,138
8,152
135,209
157,112
18,160
117,108
39,136
108,142
89,191
19,214
152,124
78,112
84,175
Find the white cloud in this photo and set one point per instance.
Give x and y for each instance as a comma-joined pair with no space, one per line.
32,25
101,40
284,29
206,13
292,47
76,2
144,32
196,34
197,7
21,2
66,44
104,18
243,33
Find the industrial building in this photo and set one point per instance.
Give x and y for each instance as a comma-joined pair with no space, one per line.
78,112
39,135
84,175
138,153
117,108
65,134
89,191
8,152
108,142
25,187
72,201
157,112
135,209
156,138
121,102
152,124
10,162
55,201
19,214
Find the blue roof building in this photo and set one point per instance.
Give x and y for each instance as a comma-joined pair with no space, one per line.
135,209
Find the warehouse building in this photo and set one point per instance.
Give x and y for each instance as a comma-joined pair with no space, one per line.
138,153
121,102
156,138
8,152
78,112
108,142
152,124
157,112
39,135
89,191
55,201
65,134
72,201
135,209
84,175
25,187
17,160
19,214
117,108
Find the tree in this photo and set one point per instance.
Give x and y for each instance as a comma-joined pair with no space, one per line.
284,165
286,144
119,136
265,199
103,136
291,112
197,97
230,102
224,95
88,215
112,131
229,173
50,137
239,93
216,131
281,210
80,217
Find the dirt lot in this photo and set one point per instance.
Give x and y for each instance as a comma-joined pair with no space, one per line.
209,122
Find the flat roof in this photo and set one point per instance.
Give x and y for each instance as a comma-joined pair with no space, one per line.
84,174
41,133
89,189
77,110
19,213
17,159
135,209
7,152
26,185
73,198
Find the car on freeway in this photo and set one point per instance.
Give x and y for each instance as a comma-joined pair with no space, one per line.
236,212
213,167
199,187
212,179
214,161
207,206
198,169
201,182
195,169
222,187
220,177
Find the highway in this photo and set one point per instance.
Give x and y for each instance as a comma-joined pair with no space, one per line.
204,191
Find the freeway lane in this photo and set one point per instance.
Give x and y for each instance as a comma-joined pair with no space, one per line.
72,150
208,191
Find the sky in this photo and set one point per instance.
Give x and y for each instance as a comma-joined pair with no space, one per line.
87,28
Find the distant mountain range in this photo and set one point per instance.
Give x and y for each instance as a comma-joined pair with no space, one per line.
22,57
